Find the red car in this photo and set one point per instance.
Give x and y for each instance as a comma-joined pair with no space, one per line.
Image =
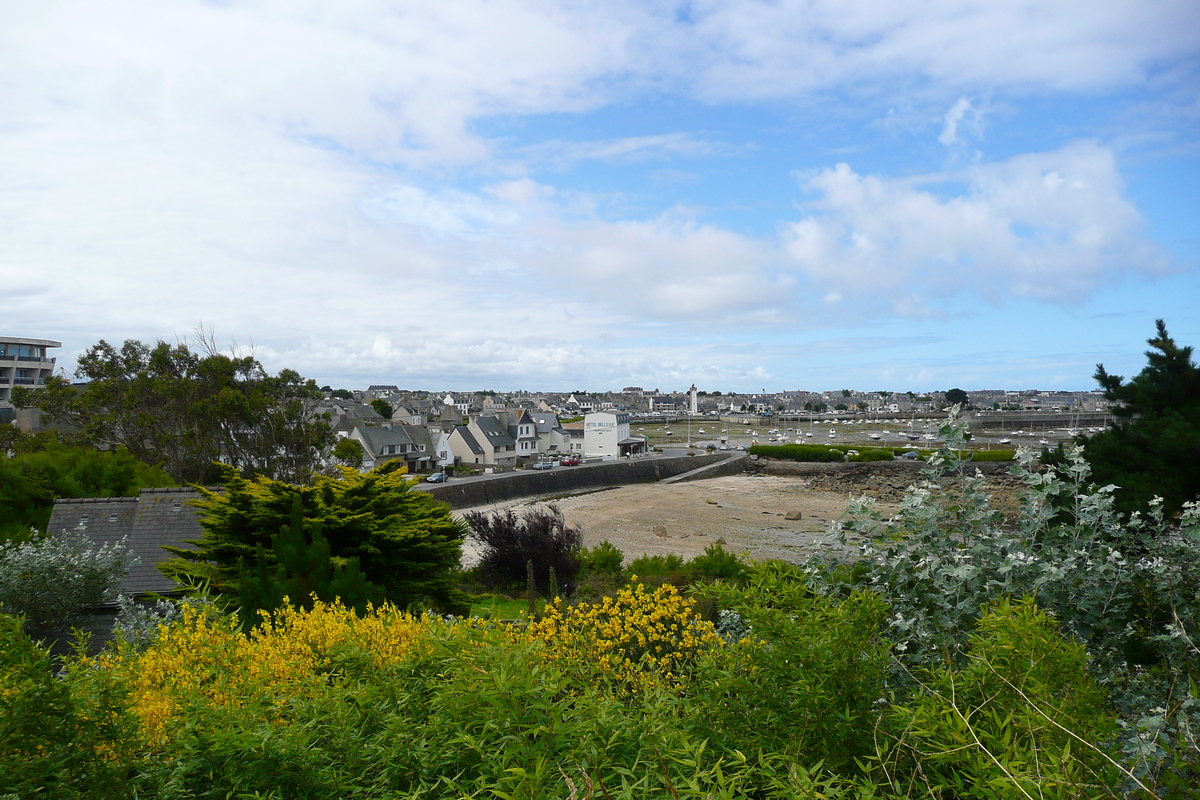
570,461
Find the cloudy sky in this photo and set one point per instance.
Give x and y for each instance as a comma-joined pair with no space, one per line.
573,194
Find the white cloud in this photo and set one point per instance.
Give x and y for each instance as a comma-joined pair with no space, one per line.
962,113
792,47
1045,225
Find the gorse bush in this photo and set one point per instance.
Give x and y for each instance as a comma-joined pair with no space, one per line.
204,659
636,640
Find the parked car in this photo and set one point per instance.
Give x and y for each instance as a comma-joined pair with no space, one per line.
438,477
542,465
570,461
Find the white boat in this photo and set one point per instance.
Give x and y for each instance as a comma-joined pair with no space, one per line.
1006,440
875,436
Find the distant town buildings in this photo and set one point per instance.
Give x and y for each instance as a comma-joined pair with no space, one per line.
24,362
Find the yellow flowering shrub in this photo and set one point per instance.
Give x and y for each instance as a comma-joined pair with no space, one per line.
637,640
208,660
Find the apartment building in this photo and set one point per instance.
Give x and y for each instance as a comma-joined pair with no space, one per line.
23,362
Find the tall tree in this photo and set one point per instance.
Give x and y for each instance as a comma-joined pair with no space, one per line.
182,411
957,397
1153,446
406,542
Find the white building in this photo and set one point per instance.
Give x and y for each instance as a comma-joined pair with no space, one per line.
606,435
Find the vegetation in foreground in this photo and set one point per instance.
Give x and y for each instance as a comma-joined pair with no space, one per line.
955,658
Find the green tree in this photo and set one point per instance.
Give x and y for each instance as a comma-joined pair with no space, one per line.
304,572
342,394
183,411
957,397
406,542
348,452
30,482
382,408
1153,446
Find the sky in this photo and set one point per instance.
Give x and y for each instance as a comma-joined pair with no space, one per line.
501,194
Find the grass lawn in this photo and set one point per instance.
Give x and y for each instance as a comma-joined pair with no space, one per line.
498,607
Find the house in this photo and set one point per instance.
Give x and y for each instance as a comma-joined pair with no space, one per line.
388,443
485,441
552,438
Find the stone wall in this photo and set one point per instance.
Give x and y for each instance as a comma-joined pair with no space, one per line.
565,480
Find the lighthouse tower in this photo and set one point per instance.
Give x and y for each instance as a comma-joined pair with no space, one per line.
693,400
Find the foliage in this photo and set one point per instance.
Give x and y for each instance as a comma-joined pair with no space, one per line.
717,563
1153,447
60,737
303,574
647,566
342,394
806,679
348,453
1123,589
49,581
873,454
798,452
957,397
508,541
382,408
204,659
139,624
182,411
31,481
405,541
637,640
1023,714
605,557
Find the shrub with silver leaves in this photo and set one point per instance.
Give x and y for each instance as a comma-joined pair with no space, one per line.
50,581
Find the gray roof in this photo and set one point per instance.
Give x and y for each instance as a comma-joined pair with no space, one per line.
497,434
154,518
465,433
378,438
419,435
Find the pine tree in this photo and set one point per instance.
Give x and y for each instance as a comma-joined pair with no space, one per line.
1153,447
304,573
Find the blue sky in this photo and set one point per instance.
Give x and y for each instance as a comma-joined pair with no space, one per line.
556,195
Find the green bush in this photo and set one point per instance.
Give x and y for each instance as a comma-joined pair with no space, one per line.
812,669
605,557
993,455
69,737
798,452
1023,715
873,454
717,563
656,566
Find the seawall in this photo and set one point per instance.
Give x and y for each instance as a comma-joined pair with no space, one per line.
565,480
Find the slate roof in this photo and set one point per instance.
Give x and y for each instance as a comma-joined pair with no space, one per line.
544,421
469,438
154,518
376,439
497,434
